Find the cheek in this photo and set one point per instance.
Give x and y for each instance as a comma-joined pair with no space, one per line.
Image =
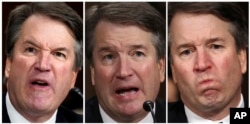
19,73
19,67
64,74
229,66
103,75
182,71
226,63
223,63
22,63
147,69
149,74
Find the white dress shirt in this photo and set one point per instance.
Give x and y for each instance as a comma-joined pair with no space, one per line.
107,119
194,118
16,117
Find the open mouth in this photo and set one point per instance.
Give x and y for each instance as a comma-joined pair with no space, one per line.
127,91
40,83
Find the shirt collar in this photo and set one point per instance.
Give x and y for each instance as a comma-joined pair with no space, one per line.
107,119
194,118
16,117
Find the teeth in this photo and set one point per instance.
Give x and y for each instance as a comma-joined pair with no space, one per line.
130,92
40,82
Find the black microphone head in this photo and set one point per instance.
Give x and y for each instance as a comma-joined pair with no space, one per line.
148,105
78,91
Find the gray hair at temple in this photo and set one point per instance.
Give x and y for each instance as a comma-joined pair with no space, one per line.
57,11
227,11
139,14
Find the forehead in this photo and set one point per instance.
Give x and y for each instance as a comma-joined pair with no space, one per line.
198,26
107,32
187,19
45,29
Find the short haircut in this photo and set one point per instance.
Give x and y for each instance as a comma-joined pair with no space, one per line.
139,14
227,11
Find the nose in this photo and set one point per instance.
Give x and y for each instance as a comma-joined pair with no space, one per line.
124,68
43,62
202,61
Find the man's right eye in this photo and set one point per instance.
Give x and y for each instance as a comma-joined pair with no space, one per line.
108,57
186,52
30,50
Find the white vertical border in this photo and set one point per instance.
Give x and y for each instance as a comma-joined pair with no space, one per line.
166,71
1,49
83,65
248,58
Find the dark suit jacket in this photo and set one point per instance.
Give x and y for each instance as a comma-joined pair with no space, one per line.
93,113
64,115
176,112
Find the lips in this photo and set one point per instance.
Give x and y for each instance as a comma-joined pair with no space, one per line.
208,86
206,81
127,91
40,83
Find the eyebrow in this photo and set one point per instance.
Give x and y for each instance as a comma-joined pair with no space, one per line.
140,46
111,47
37,45
208,41
29,42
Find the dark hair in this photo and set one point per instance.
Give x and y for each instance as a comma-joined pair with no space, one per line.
140,14
226,11
57,11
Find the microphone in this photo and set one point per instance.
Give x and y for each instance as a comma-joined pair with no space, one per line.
78,91
148,106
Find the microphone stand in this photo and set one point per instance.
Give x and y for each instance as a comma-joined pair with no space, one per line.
148,106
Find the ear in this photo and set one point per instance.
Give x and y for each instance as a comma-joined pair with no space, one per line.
92,70
173,73
7,68
75,72
162,68
243,60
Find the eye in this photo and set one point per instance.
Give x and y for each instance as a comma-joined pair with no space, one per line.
139,54
108,57
60,55
216,46
186,52
30,50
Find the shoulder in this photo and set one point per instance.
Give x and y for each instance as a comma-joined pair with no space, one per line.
66,115
161,105
5,116
92,111
176,112
160,110
92,105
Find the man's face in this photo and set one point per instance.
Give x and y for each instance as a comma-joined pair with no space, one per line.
125,70
206,66
41,73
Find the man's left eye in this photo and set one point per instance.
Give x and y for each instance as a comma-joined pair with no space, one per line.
59,54
215,46
139,53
